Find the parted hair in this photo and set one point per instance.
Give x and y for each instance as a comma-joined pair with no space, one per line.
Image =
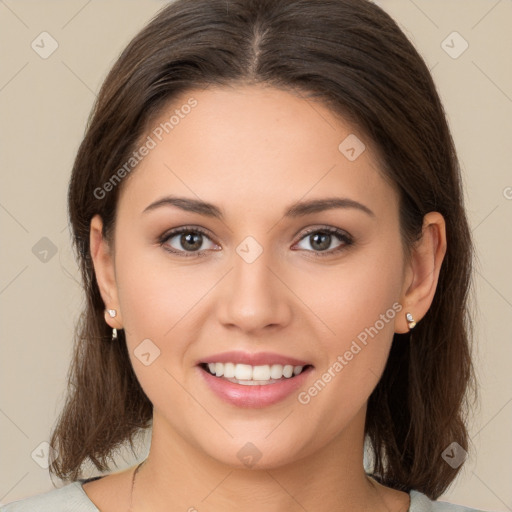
352,56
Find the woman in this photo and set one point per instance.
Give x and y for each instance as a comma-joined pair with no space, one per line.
268,214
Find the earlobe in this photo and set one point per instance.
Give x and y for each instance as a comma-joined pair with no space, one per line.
103,262
423,271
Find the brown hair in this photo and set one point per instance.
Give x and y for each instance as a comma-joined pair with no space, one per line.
351,55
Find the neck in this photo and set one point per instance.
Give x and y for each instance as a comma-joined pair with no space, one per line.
179,475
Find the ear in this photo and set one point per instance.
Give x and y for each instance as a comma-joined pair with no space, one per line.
422,272
104,268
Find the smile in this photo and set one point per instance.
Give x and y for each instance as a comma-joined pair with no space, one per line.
248,375
253,380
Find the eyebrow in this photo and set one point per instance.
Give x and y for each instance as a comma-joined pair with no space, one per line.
298,209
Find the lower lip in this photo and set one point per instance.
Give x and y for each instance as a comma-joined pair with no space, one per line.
254,396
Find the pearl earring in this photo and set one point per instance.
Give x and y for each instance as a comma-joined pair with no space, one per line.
410,321
113,313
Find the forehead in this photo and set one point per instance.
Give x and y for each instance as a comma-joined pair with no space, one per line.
253,147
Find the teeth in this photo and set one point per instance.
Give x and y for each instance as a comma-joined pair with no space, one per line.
243,371
229,370
261,372
288,371
253,375
276,371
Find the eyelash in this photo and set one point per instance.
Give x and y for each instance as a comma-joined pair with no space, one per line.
341,235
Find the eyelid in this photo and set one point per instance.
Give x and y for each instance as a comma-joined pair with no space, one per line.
341,234
323,228
346,239
171,233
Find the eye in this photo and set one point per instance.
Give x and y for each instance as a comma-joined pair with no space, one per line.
189,241
320,240
186,240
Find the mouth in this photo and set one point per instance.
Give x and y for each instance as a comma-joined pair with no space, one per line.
249,375
253,380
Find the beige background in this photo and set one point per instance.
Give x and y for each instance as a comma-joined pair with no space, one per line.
44,107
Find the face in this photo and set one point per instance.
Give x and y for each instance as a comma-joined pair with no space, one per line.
258,277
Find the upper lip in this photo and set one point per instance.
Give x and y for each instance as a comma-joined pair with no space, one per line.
254,359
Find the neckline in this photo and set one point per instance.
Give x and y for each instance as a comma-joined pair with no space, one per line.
414,496
79,484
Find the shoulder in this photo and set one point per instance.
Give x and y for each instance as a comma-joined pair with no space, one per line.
421,503
70,498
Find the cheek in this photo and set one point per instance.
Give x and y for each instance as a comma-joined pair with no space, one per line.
158,298
357,294
155,292
360,303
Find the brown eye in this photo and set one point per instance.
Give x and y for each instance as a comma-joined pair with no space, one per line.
186,240
191,241
321,240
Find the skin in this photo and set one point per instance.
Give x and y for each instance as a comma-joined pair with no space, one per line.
259,150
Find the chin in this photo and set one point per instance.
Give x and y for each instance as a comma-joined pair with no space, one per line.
253,453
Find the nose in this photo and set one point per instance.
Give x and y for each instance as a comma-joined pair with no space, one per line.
253,297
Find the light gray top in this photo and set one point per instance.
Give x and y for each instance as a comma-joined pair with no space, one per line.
72,498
